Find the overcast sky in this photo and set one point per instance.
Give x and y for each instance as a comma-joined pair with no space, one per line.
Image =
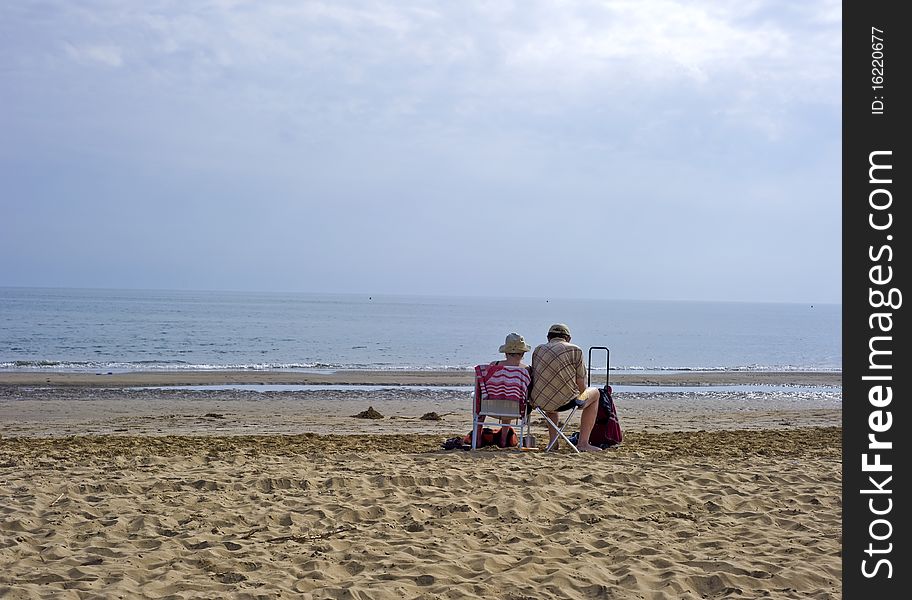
618,149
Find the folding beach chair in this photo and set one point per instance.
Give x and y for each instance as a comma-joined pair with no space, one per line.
575,404
572,406
486,403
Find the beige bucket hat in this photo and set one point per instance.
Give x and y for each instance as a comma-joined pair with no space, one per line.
515,344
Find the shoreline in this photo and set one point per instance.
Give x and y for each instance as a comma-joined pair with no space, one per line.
82,407
395,378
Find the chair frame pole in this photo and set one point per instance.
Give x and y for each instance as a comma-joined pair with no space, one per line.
560,430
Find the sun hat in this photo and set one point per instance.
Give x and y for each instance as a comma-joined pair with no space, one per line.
559,329
515,344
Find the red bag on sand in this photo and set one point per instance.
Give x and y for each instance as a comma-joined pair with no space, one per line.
503,437
607,429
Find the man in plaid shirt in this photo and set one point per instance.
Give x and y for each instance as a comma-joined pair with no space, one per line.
559,377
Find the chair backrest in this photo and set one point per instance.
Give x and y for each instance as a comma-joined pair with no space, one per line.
500,391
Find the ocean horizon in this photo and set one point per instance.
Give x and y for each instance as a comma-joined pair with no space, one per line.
69,329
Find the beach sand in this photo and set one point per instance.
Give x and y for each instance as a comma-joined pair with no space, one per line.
108,492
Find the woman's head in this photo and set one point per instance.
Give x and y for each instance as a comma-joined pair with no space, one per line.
515,346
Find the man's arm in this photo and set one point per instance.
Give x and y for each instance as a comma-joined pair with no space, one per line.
581,384
581,374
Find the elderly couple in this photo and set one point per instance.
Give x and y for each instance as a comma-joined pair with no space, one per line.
558,375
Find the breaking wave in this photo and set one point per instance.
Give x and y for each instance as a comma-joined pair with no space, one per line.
177,365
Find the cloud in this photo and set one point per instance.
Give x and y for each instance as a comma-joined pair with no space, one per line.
89,54
645,40
530,43
588,75
531,66
643,114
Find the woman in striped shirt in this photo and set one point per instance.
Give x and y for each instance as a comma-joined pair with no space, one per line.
512,380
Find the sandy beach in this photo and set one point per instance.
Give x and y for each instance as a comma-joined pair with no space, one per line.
112,491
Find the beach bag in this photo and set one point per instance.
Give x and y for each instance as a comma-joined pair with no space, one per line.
506,437
607,429
502,437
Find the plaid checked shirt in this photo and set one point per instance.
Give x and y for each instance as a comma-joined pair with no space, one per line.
555,368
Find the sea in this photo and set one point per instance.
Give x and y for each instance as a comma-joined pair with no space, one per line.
101,330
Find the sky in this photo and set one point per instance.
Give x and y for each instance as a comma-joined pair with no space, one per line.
631,149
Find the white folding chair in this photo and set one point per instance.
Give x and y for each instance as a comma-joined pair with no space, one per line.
485,404
572,406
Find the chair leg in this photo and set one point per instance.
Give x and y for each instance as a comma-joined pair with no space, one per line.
560,430
524,426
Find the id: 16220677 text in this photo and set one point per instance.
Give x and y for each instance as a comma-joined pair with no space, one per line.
877,70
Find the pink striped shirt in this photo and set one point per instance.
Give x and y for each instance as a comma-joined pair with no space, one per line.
509,383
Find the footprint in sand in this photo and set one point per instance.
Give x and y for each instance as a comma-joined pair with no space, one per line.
229,577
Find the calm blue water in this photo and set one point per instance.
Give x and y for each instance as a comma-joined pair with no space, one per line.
74,330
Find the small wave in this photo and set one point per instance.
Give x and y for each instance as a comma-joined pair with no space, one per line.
30,363
179,365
